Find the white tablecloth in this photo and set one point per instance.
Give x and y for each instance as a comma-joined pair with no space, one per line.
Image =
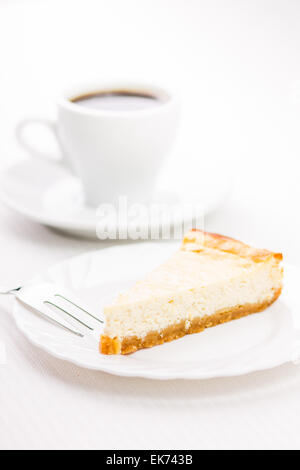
48,403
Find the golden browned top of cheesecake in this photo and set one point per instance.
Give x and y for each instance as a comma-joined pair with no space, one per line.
204,259
198,240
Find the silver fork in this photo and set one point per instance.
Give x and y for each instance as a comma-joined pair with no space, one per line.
50,304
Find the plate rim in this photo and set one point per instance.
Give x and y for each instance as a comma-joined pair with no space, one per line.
72,224
152,375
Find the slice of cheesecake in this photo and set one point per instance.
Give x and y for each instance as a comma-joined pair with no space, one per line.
212,279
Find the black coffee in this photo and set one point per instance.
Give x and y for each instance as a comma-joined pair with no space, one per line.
118,100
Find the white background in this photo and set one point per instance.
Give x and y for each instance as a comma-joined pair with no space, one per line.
236,65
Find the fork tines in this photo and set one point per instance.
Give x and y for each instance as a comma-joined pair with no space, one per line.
64,310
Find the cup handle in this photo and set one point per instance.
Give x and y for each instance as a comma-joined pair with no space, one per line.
19,132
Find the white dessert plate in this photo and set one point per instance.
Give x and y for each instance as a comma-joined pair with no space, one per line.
257,342
49,194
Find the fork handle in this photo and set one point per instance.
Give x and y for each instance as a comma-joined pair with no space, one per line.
4,291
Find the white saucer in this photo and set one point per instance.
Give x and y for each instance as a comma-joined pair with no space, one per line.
48,194
253,343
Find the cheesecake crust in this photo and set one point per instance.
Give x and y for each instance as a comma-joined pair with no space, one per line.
197,240
131,344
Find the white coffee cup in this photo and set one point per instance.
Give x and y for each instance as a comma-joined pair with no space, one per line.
113,152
